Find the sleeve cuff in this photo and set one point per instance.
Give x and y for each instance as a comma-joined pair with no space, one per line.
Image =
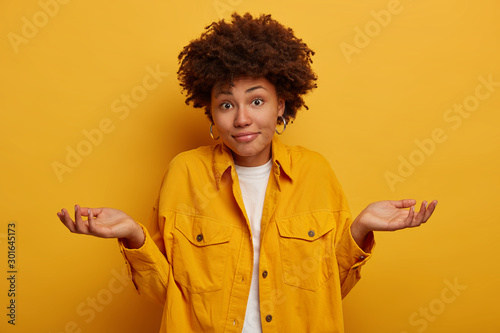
351,256
143,257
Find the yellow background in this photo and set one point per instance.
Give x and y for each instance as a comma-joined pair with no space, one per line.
394,86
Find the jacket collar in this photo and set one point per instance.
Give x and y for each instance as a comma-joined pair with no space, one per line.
223,161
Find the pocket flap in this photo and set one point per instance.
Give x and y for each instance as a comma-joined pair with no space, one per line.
307,226
202,231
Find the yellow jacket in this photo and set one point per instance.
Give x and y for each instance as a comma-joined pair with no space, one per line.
197,259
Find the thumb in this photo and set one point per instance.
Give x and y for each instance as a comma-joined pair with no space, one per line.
405,203
85,211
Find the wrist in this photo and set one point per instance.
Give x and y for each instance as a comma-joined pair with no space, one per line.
359,232
359,226
136,238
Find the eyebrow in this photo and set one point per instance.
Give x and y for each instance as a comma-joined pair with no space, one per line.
249,90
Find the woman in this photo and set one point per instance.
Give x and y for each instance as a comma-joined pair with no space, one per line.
249,234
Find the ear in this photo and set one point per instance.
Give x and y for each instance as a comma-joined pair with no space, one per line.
281,107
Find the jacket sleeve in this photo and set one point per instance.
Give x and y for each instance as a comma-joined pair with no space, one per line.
350,256
148,266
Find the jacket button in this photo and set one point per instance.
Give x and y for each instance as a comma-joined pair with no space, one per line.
269,318
311,233
264,274
199,238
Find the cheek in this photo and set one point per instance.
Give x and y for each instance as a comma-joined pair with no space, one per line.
269,122
222,124
216,117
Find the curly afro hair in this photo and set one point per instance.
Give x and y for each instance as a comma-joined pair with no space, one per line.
247,46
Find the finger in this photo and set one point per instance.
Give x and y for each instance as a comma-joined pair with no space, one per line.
91,220
66,220
80,224
95,211
60,215
409,218
430,210
84,211
405,203
420,216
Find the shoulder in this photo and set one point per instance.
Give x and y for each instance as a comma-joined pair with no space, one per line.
189,165
187,169
198,156
312,172
307,160
299,152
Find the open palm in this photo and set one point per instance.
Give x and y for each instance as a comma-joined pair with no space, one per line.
100,222
390,215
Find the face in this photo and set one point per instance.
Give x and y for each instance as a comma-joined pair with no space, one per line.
245,117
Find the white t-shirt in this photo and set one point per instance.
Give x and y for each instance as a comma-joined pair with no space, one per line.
253,184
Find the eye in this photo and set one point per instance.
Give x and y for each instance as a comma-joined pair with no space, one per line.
258,102
225,106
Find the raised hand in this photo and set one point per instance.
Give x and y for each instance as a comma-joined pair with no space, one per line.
390,215
105,223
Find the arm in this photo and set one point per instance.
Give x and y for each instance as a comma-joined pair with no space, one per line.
350,256
389,216
146,263
355,245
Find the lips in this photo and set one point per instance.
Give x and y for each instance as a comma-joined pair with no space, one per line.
246,136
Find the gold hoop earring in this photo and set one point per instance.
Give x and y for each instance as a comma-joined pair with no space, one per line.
211,134
284,128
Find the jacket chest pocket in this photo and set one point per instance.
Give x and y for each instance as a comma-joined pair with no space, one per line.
200,253
307,249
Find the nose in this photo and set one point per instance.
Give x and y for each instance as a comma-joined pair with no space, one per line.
242,117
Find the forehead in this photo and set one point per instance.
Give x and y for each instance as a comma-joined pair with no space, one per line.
241,83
